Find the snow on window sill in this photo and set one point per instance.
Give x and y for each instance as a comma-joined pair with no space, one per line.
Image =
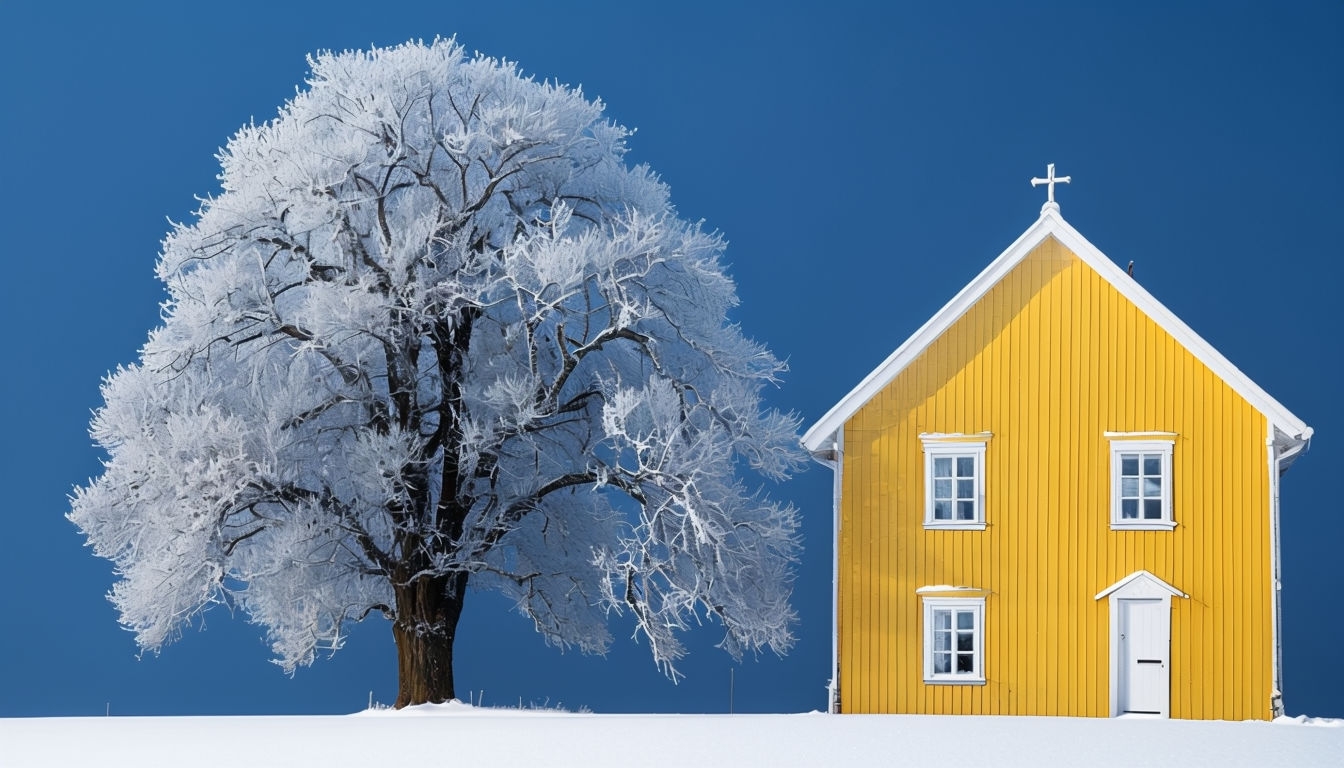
1143,525
947,525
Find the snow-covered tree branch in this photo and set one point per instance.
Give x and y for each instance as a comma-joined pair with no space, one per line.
432,332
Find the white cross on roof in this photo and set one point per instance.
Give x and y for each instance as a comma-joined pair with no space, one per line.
1050,181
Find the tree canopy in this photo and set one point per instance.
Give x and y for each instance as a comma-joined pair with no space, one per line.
435,331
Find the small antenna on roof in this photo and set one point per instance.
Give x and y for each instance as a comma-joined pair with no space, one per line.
1131,268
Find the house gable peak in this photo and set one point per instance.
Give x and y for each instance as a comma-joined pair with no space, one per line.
1291,433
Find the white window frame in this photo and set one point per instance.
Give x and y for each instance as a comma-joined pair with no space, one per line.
973,605
955,446
1165,448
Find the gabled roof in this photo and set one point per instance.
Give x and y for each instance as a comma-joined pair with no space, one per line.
1291,433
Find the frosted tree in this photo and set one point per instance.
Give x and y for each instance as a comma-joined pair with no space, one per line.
434,332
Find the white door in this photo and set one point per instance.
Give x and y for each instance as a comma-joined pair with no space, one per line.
1144,667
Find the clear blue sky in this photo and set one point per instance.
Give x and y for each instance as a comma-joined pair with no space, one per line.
865,165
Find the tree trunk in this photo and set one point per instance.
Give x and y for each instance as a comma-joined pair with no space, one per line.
426,625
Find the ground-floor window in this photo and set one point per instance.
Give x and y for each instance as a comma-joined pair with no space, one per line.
954,640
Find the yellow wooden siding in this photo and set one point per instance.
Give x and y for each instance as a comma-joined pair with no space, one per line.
1048,361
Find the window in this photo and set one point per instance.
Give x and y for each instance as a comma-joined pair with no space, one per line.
954,482
954,640
1141,485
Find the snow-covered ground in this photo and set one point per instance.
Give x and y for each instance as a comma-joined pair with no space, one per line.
457,734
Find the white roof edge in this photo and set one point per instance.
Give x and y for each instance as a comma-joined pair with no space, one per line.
922,338
1205,352
1052,223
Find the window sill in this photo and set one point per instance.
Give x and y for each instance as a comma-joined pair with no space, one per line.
954,681
952,526
1146,525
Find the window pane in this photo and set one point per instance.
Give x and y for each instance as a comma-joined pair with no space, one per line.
1152,464
1152,486
942,510
942,489
1129,487
965,510
1129,464
1152,509
1129,509
942,467
953,641
965,466
965,489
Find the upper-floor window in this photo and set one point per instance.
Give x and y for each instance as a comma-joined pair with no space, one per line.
1141,482
954,481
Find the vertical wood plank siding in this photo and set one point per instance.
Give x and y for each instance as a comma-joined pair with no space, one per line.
1048,361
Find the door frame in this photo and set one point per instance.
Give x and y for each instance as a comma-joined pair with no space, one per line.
1139,585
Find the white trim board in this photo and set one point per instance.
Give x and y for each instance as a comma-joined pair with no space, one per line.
1052,224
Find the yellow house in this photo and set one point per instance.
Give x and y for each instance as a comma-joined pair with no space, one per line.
1055,498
